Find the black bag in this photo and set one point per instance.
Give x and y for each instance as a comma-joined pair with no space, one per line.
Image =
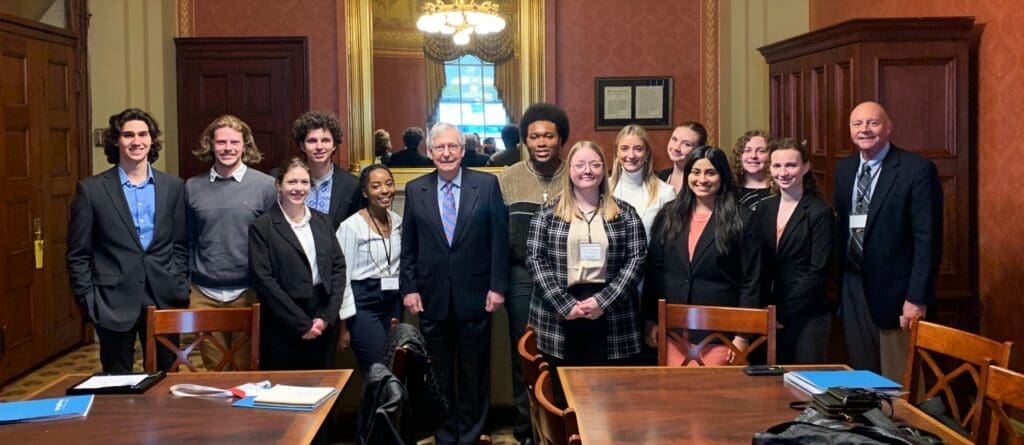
793,433
427,405
845,402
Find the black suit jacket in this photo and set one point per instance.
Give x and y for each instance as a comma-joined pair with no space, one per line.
282,274
107,266
713,278
474,159
346,198
903,237
796,267
477,260
409,157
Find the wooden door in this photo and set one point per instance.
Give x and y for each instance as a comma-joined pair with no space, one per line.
263,81
39,167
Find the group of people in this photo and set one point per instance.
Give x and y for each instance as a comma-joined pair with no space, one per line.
577,247
479,153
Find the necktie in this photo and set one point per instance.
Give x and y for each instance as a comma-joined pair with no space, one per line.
856,255
448,213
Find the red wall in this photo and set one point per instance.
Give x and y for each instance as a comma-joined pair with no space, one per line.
1000,101
611,38
321,21
399,96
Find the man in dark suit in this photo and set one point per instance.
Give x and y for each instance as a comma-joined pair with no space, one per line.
410,155
889,204
471,158
454,274
334,192
127,242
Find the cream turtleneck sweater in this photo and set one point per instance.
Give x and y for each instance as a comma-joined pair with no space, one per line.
631,189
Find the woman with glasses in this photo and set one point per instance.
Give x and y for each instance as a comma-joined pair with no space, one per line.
585,253
372,242
703,251
750,165
633,178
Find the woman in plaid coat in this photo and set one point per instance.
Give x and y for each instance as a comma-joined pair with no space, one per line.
586,255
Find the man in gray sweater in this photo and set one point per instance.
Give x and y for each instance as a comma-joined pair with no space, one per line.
221,205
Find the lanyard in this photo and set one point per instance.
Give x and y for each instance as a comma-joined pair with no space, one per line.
592,216
385,242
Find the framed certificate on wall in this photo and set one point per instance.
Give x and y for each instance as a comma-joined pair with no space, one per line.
620,101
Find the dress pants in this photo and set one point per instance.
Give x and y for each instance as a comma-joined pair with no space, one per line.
880,350
517,305
117,349
210,353
370,325
461,356
804,340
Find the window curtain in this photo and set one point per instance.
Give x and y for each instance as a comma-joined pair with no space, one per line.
497,48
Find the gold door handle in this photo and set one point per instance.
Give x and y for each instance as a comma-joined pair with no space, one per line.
37,234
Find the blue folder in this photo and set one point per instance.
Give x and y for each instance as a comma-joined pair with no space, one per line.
822,380
45,409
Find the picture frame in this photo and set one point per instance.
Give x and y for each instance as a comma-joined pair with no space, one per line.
620,101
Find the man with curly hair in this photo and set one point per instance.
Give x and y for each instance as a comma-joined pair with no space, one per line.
334,192
127,244
222,203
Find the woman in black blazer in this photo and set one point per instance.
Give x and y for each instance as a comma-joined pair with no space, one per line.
796,231
703,251
298,271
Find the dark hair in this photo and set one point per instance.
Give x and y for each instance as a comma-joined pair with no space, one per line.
674,218
543,111
737,153
315,120
412,137
510,136
289,164
364,178
488,140
698,128
112,135
810,184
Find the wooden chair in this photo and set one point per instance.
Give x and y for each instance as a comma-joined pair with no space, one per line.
720,320
1002,388
531,362
203,323
933,344
557,426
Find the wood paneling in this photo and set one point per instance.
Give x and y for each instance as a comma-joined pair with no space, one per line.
917,69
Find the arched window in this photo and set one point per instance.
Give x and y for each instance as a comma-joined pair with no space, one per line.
469,99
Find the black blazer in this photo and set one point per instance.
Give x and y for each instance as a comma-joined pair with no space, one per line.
282,274
409,157
477,260
796,267
106,265
903,237
713,278
346,198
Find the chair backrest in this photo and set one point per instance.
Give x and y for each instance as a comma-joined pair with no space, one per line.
723,322
531,363
160,323
966,354
557,426
1002,388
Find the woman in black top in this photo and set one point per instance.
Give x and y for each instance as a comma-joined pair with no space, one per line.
796,231
750,165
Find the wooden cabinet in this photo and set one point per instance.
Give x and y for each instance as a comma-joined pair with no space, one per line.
921,70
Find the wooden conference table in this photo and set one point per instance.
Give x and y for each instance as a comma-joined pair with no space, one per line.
714,405
159,417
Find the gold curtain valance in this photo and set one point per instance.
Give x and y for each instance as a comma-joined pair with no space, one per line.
494,48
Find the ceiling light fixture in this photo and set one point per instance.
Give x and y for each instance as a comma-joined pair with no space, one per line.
460,18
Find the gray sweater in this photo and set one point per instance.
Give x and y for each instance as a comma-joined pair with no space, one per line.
219,214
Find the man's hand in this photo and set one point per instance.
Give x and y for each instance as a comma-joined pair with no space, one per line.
494,301
413,302
911,311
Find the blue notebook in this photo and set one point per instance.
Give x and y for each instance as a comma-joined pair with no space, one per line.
45,409
816,382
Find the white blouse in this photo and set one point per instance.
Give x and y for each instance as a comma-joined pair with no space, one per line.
631,189
367,254
305,235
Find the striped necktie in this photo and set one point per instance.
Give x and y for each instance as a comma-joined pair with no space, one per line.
856,255
448,212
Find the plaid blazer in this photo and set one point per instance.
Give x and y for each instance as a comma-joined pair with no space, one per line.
547,245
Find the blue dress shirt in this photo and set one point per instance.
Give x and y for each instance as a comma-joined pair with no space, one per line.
141,203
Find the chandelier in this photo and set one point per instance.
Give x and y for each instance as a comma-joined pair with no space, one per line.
460,18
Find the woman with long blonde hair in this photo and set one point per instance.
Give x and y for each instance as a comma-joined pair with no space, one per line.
633,179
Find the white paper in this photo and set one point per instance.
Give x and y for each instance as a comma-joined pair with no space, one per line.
649,102
618,102
112,381
858,221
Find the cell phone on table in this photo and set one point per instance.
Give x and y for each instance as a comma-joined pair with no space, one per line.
764,370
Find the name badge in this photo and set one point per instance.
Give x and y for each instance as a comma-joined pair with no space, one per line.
389,283
858,221
590,252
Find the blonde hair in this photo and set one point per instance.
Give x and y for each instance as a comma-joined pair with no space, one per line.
650,179
566,208
250,155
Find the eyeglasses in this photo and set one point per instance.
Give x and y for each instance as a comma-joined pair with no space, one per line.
580,166
442,148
